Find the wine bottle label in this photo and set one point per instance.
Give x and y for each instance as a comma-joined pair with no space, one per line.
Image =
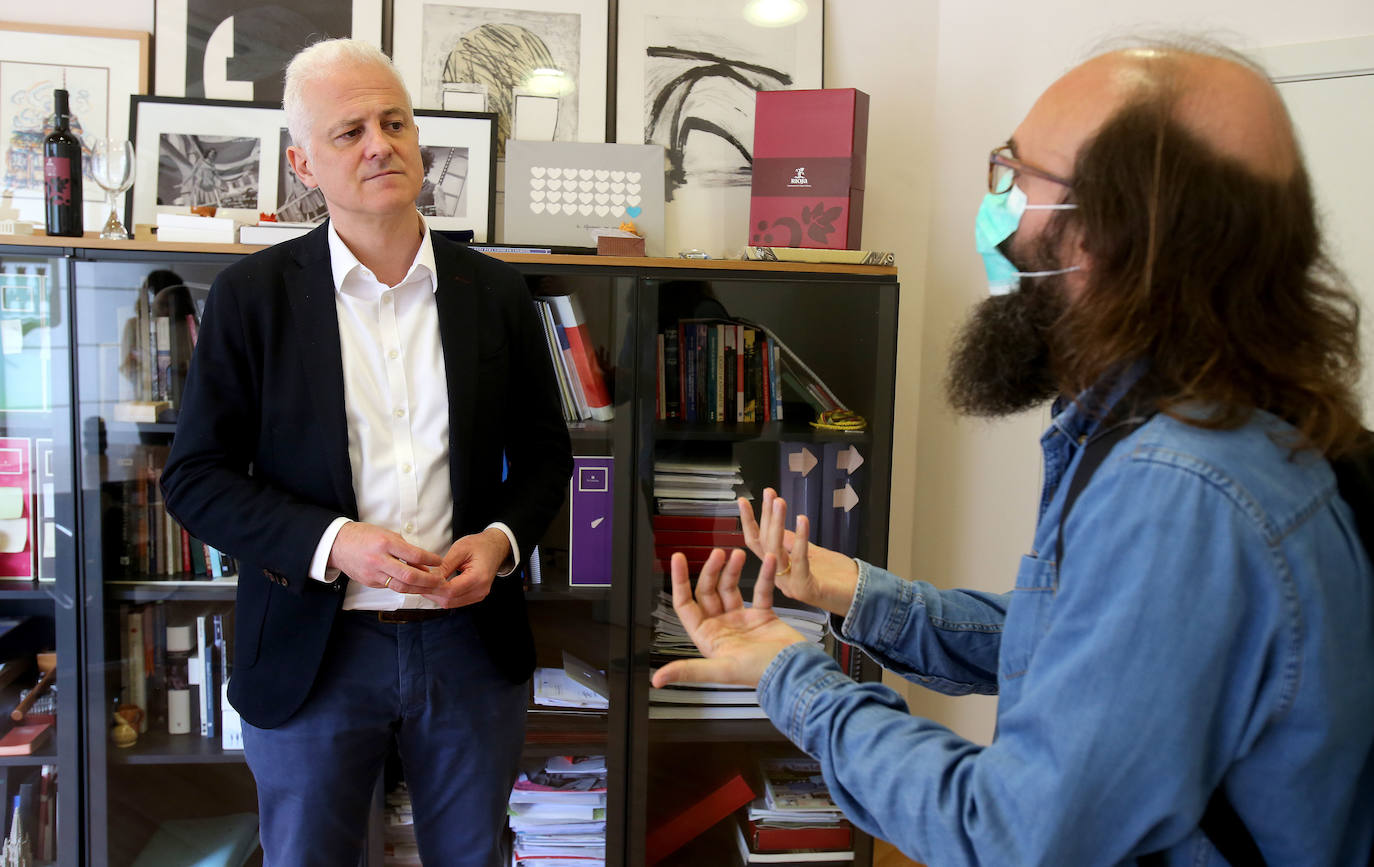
57,180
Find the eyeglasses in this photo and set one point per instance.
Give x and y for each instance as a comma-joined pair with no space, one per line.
1003,167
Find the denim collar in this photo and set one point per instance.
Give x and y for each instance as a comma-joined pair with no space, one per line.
1080,418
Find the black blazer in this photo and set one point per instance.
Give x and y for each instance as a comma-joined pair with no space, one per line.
260,465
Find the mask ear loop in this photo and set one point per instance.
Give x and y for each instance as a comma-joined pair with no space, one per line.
1068,206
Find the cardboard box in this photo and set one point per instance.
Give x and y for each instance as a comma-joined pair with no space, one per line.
809,166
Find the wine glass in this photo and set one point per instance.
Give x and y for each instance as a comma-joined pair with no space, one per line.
112,167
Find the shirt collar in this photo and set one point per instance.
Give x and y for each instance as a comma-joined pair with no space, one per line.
1080,418
342,261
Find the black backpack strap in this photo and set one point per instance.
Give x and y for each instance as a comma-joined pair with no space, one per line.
1095,451
1220,821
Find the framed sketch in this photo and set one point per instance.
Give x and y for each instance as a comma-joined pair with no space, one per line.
539,65
101,69
687,82
232,155
238,49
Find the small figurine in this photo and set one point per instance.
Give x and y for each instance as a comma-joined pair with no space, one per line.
17,851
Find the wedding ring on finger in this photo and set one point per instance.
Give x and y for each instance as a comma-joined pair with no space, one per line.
784,570
387,585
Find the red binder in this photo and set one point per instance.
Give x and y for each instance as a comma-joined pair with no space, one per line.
704,812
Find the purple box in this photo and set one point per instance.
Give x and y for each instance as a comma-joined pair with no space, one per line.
591,507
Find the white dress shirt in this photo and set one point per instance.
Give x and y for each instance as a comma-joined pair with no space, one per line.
396,403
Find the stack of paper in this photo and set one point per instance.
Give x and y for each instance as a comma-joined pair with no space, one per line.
698,487
399,844
558,813
199,230
711,700
574,686
273,232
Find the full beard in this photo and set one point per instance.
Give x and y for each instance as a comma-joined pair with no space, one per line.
1001,362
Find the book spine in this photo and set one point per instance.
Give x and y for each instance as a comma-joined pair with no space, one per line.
660,393
163,335
584,356
672,382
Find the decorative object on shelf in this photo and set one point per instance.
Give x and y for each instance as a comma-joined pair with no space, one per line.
123,733
62,172
17,852
112,168
540,67
810,150
557,191
238,49
197,152
103,69
47,665
688,82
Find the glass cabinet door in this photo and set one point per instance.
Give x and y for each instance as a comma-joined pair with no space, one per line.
40,678
164,762
744,363
578,598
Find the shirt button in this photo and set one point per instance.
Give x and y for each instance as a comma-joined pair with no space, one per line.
386,296
393,355
409,527
400,413
405,468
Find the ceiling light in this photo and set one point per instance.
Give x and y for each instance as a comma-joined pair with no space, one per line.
774,13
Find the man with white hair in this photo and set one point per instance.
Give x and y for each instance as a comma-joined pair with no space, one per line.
346,415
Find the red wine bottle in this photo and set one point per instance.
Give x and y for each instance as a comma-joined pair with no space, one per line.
62,171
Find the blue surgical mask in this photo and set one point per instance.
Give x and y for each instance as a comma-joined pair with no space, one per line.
998,218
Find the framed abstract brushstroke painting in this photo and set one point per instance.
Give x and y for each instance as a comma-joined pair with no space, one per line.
686,80
101,70
238,49
539,65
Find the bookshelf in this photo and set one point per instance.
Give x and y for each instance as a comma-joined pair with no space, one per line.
841,319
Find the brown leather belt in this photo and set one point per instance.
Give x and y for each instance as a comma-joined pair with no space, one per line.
409,615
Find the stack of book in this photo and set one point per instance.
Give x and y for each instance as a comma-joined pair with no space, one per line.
710,700
558,813
698,488
273,232
399,848
582,383
695,536
796,821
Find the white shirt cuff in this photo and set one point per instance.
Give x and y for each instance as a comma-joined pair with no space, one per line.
514,559
319,564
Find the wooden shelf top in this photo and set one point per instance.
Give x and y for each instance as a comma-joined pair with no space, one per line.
92,241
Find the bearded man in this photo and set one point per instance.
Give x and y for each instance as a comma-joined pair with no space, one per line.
1194,638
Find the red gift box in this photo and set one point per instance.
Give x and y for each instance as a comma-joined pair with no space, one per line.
808,179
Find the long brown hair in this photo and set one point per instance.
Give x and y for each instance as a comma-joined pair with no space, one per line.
1214,276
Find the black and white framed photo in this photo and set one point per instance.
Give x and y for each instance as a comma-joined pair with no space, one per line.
539,65
687,81
459,153
232,155
101,69
238,49
196,152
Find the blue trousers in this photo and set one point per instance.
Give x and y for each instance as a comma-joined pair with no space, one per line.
458,724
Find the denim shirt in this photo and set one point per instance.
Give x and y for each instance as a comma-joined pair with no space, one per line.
1212,623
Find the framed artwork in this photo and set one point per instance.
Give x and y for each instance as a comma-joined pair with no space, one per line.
233,155
539,65
238,49
204,152
459,152
686,80
101,71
